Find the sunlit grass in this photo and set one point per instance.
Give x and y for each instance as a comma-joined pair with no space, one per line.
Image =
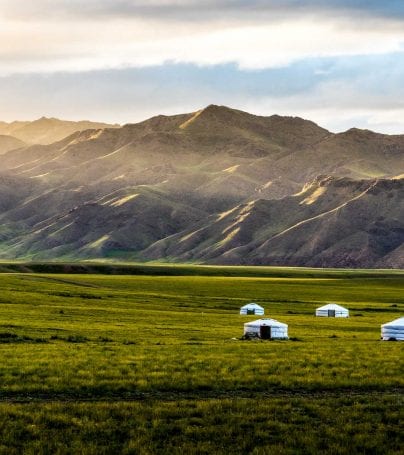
174,341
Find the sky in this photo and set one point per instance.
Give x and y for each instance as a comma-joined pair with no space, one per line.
338,63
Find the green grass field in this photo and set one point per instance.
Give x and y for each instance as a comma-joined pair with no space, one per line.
153,362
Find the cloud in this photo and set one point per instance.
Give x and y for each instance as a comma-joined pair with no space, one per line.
346,92
337,93
46,36
41,45
194,9
120,60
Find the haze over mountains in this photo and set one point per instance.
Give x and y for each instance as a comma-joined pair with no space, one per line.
46,130
214,186
8,143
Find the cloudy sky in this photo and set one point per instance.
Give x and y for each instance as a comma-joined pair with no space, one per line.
339,63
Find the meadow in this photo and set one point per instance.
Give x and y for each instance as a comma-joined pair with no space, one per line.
93,362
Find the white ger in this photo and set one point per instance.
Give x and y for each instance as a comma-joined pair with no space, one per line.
267,329
252,308
332,310
394,330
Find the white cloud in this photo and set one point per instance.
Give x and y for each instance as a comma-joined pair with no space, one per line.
47,37
337,106
78,45
353,100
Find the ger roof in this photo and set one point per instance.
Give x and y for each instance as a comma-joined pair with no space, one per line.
396,323
252,305
268,322
331,306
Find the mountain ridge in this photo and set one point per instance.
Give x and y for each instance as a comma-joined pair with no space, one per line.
8,143
47,130
217,185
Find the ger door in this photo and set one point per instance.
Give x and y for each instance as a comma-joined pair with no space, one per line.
265,332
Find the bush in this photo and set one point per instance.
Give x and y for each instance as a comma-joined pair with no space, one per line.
76,339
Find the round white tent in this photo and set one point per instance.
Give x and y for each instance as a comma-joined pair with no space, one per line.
266,329
252,308
332,310
394,330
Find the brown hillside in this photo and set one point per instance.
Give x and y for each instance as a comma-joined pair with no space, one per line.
217,185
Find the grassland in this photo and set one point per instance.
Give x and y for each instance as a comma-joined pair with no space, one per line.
154,363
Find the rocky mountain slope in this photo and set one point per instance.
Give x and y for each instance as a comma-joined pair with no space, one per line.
216,186
336,221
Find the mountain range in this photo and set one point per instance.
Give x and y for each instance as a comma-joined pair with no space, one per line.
46,130
216,186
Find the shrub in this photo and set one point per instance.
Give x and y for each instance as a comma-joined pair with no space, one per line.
76,339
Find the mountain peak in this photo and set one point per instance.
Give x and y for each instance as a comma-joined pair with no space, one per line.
360,132
217,109
218,115
45,120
